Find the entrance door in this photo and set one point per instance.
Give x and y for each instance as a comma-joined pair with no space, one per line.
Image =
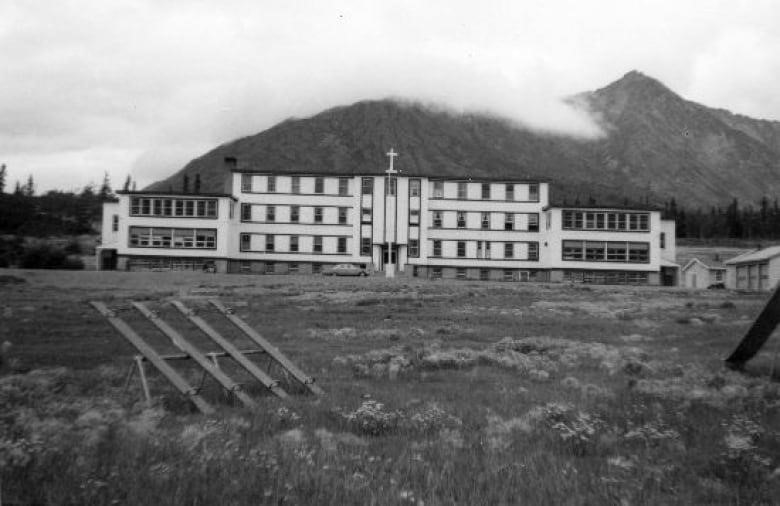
387,258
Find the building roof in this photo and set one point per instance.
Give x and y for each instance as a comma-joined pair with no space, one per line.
588,207
714,265
175,194
401,173
755,256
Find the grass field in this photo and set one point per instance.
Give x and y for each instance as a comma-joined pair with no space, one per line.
437,393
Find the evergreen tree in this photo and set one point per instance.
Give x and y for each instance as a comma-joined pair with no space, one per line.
126,186
185,184
134,186
2,178
18,189
197,183
106,193
29,188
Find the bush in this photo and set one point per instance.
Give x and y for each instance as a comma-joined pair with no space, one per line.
48,257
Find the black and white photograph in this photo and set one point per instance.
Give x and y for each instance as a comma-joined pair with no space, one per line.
389,252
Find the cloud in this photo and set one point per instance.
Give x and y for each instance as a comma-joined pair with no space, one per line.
143,86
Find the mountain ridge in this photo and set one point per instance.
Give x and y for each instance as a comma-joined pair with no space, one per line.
657,146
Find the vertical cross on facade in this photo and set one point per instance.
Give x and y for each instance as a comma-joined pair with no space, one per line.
391,154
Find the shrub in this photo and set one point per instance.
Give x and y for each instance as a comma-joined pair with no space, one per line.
47,257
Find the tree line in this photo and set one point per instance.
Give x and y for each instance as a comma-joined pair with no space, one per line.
735,221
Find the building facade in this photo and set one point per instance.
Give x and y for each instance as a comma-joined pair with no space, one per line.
755,270
421,226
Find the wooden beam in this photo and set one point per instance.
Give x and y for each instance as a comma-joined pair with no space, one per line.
149,354
179,340
272,351
235,353
759,332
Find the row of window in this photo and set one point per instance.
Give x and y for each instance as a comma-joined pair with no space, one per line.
310,214
157,237
200,208
599,220
606,251
487,250
511,221
484,274
247,185
295,244
486,191
606,277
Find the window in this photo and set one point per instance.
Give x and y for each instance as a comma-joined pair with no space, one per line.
295,214
461,249
633,222
644,220
487,249
316,268
366,215
590,220
462,191
270,213
437,219
461,219
533,251
572,250
246,242
533,222
414,187
413,249
342,245
342,215
317,246
509,275
269,242
663,240
179,208
270,268
319,185
317,215
484,274
485,191
246,212
533,192
294,243
295,184
621,221
115,223
612,221
485,221
509,221
639,252
600,221
343,186
438,189
595,251
365,246
718,275
367,185
246,183
168,207
147,237
189,208
271,184
616,252
293,268
509,192
436,273
244,266
390,186
436,248
460,273
509,250
414,217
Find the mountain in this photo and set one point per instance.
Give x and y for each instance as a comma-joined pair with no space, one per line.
656,146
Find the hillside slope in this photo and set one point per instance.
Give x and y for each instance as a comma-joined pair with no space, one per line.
657,146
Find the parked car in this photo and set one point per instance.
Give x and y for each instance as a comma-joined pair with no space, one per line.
345,270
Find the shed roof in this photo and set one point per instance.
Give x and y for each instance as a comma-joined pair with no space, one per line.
755,256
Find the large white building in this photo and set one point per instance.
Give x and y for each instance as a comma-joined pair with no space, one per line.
420,226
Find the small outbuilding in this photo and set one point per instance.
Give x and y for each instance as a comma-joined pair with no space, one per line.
755,270
704,273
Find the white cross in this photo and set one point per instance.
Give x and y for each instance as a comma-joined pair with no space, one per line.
392,154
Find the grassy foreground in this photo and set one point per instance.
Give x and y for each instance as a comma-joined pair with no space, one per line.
437,393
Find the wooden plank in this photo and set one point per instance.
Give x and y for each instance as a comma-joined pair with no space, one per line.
149,354
179,340
272,351
184,356
759,332
235,353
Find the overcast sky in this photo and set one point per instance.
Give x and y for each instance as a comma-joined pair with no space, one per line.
140,87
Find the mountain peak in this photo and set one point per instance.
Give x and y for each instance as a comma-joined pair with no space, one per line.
636,84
